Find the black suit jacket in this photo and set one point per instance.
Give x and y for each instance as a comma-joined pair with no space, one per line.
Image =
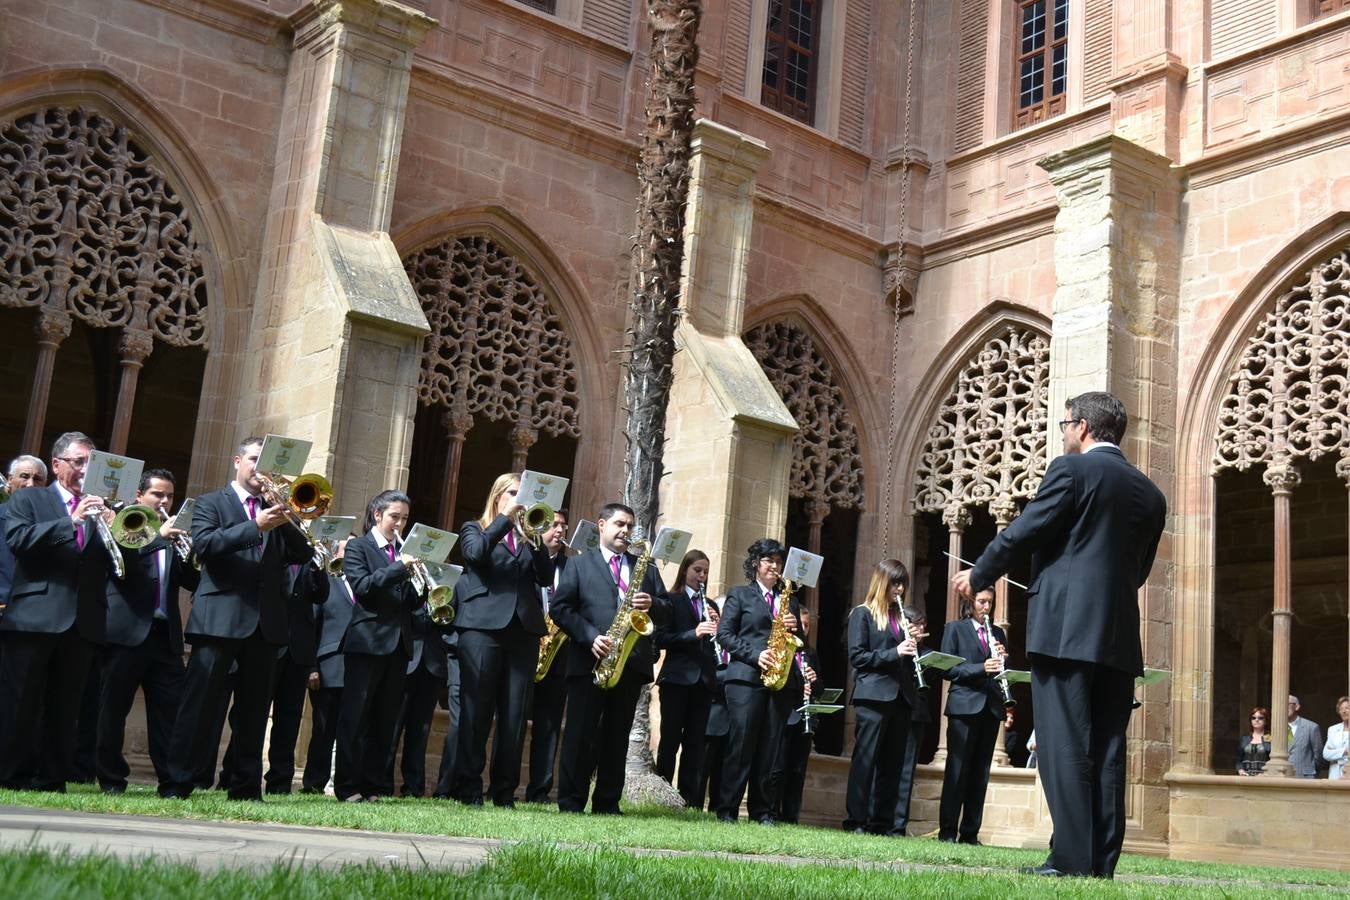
131,602
498,584
584,608
243,582
689,658
56,584
308,590
973,690
428,647
6,557
1092,529
382,618
334,615
879,672
744,633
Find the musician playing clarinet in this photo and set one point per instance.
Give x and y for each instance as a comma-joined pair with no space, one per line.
688,677
974,711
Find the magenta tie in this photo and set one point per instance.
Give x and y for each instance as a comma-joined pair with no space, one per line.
389,549
618,579
984,642
79,529
252,504
511,541
768,598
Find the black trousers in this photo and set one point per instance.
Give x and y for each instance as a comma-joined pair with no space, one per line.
710,776
154,668
195,742
913,744
684,727
546,718
796,756
965,780
445,781
324,706
1082,713
84,770
372,690
288,707
413,728
496,674
758,717
43,677
879,735
595,741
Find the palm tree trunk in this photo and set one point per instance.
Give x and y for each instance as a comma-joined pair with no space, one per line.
657,256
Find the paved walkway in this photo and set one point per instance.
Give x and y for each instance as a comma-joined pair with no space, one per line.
234,844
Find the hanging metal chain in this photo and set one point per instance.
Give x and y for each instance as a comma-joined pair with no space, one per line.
887,507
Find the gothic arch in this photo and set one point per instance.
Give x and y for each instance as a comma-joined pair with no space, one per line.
1232,335
225,276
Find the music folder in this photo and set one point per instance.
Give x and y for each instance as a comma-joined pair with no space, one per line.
429,544
112,477
824,705
283,455
1015,676
939,661
1151,676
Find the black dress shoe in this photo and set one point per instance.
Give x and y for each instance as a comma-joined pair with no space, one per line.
974,842
730,820
113,788
947,840
311,790
279,791
766,820
606,811
1044,869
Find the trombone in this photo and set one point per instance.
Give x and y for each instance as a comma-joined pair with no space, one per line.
532,522
306,497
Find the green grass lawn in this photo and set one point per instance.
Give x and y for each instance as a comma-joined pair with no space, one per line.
538,870
590,858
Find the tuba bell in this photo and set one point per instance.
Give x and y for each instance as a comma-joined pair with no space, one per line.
134,526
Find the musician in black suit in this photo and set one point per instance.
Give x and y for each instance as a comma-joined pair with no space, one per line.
757,715
1092,529
688,677
422,687
56,616
24,471
790,773
974,711
326,680
921,716
295,662
595,741
375,649
238,616
882,656
499,624
550,693
719,724
144,641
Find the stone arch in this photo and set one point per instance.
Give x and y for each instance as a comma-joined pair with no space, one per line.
1196,503
531,295
224,273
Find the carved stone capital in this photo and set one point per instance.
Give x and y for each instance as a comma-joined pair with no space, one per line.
1281,478
956,517
816,511
901,278
457,422
1004,510
1343,468
52,326
137,344
523,437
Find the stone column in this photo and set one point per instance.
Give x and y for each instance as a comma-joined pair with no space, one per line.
1282,477
957,519
1117,263
1004,510
816,511
136,346
52,327
335,338
522,438
457,423
728,434
1343,472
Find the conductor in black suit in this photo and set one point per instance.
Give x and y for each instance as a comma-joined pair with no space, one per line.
757,716
238,615
595,741
499,622
1092,530
145,641
882,656
549,702
688,677
974,712
55,618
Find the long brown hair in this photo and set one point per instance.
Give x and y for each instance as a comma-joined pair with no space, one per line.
498,488
690,558
887,574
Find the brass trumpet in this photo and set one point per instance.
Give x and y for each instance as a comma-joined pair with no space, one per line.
440,597
132,526
182,543
533,521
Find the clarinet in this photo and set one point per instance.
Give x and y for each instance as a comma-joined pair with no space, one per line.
808,720
918,666
1003,686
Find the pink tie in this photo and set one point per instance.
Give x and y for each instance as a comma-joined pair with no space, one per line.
984,642
618,579
252,504
389,548
79,529
768,598
511,541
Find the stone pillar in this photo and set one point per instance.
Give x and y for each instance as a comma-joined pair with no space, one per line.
136,346
522,438
457,423
728,434
957,519
1282,478
1117,263
335,339
52,327
1343,472
1004,510
816,511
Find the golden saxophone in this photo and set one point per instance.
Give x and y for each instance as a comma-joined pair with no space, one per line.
549,645
629,624
782,643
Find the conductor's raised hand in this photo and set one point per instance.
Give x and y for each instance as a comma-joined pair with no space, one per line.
961,584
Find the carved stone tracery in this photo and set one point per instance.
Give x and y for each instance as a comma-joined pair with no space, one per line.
826,463
986,446
1288,395
497,348
91,227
